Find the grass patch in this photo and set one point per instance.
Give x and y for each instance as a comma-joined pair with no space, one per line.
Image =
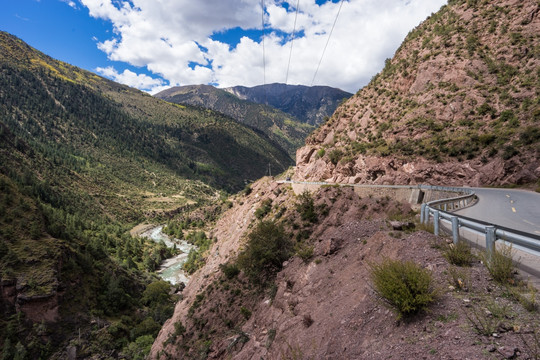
404,285
459,254
501,266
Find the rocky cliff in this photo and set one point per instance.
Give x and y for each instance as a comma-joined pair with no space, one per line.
457,104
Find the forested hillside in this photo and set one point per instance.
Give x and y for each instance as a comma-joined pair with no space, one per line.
83,160
286,130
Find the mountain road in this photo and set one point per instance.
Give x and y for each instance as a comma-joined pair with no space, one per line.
511,208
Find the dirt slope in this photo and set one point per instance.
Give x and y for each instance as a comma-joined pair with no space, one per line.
323,307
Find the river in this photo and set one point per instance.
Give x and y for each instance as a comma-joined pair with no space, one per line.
171,269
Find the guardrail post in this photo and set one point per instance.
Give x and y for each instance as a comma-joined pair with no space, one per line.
490,241
436,222
455,229
426,215
422,213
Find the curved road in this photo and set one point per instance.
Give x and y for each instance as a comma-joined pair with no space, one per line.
512,208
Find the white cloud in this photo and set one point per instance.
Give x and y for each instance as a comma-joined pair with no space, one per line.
164,36
128,77
70,3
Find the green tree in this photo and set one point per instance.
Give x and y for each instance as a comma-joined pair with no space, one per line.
267,248
156,293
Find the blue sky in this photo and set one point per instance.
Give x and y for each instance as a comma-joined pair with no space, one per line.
153,45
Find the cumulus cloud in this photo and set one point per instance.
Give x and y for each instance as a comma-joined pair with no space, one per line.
70,3
128,77
173,39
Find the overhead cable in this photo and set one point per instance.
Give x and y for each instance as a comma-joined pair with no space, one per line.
292,40
327,41
264,55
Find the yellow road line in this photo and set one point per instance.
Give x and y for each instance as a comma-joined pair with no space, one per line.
513,209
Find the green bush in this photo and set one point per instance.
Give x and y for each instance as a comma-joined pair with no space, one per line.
306,207
264,209
404,286
500,266
509,152
459,254
304,251
246,313
335,155
320,153
230,270
179,329
267,248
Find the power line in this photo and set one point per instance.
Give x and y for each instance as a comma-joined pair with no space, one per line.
327,41
292,40
264,55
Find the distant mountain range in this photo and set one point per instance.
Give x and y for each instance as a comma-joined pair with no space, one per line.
310,104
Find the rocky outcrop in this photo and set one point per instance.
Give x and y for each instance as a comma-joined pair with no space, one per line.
395,171
456,105
36,307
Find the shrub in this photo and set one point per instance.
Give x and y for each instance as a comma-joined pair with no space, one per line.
509,152
306,207
335,155
459,278
459,254
305,252
404,286
500,266
267,248
230,270
264,209
320,153
246,313
179,329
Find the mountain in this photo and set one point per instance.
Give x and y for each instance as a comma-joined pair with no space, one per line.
83,160
457,104
310,104
292,275
284,129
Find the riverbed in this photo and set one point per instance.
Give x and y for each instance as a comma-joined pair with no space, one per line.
171,269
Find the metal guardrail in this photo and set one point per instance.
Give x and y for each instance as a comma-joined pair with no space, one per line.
441,210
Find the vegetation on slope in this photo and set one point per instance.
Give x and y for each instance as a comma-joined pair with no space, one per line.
282,128
82,160
462,86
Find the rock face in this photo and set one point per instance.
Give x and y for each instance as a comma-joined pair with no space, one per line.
457,104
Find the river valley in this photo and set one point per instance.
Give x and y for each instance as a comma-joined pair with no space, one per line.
171,269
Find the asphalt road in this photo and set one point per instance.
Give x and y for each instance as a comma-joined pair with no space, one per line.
517,209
